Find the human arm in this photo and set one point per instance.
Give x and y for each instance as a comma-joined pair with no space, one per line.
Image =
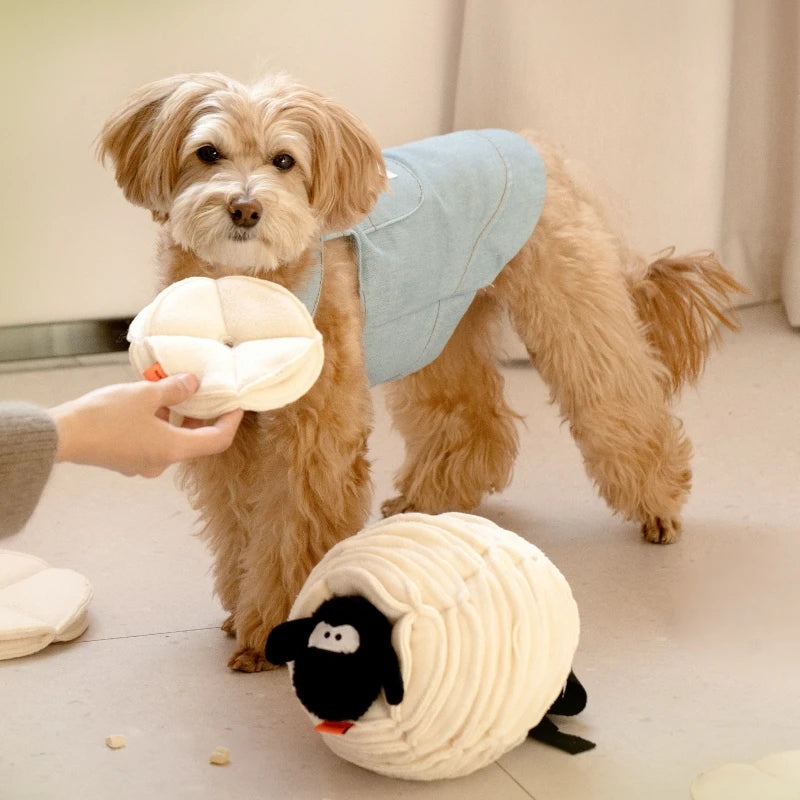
123,427
28,442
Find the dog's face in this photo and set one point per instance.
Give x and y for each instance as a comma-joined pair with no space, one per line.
245,177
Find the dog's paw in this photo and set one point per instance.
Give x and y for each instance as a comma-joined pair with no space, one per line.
661,531
227,626
396,505
245,659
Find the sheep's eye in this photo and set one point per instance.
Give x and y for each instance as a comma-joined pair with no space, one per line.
209,154
283,162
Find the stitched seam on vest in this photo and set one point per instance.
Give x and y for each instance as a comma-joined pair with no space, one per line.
424,350
318,273
372,227
310,292
491,220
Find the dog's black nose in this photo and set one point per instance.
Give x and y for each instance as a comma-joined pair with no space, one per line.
245,211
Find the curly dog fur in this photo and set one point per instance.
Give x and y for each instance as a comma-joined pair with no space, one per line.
613,336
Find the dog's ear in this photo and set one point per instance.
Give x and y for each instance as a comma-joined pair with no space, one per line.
348,172
144,137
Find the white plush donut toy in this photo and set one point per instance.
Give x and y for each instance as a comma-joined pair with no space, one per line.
39,604
426,647
774,777
251,342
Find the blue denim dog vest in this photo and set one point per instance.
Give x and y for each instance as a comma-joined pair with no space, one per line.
459,207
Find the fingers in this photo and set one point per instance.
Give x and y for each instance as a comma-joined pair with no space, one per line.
228,424
193,438
176,389
210,439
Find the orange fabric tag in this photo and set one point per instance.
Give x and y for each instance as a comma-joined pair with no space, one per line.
335,728
155,373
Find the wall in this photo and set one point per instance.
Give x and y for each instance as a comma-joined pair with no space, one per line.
638,92
72,247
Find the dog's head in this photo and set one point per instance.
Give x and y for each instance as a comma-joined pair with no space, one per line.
245,177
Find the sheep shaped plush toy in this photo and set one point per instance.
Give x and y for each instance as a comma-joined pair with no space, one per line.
426,647
430,645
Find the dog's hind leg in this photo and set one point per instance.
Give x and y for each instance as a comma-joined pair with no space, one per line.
460,435
569,302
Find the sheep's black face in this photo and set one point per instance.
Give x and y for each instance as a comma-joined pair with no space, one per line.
342,655
336,686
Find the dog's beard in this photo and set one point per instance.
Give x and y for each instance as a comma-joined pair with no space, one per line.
199,221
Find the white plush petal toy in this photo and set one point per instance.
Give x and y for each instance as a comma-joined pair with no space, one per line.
39,604
483,626
775,777
251,342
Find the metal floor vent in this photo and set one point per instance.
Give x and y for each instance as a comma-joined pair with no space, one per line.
62,339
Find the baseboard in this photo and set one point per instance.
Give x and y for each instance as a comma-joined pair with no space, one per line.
63,339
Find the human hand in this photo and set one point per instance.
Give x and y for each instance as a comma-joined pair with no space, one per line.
126,427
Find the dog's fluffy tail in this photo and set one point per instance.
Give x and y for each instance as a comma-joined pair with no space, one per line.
682,301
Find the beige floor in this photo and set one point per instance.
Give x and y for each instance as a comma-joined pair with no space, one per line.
690,653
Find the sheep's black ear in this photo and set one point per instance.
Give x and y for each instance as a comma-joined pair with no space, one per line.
288,640
392,677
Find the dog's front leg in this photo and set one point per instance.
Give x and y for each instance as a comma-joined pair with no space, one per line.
219,488
315,490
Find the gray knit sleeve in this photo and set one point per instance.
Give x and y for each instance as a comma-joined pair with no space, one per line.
28,441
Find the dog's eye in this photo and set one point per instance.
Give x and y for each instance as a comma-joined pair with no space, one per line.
283,162
209,154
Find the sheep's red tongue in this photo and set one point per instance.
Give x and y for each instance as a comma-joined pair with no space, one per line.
335,728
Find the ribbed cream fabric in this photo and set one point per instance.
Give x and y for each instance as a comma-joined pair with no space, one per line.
28,441
485,627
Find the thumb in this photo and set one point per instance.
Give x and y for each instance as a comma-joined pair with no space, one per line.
177,388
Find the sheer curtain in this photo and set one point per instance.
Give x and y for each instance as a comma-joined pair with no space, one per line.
790,283
684,114
761,217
